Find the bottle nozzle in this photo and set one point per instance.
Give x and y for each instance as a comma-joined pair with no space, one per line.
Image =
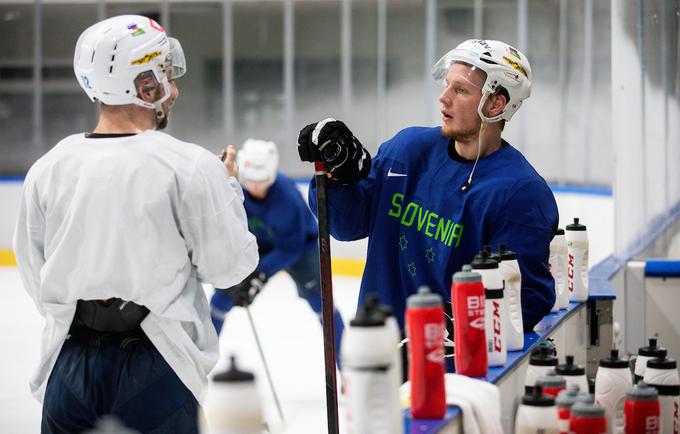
652,342
615,353
569,359
502,247
576,220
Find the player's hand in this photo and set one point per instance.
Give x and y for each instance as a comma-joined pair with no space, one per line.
331,142
246,291
228,156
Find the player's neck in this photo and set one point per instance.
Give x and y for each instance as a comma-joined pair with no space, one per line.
467,146
130,120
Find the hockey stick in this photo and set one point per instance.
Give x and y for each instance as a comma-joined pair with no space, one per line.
326,298
264,363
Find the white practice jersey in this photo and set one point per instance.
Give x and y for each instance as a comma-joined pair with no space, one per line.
144,218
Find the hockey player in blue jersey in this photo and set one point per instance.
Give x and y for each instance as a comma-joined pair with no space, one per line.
286,233
432,197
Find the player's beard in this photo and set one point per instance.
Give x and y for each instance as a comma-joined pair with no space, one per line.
461,131
163,123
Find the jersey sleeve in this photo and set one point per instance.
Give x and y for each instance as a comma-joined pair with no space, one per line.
527,224
29,240
290,240
214,225
349,206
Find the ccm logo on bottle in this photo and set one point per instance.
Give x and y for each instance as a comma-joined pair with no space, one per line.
570,273
496,326
676,419
475,306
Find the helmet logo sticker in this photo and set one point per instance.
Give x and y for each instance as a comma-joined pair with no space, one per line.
146,58
482,42
136,31
86,81
516,65
514,53
155,25
511,75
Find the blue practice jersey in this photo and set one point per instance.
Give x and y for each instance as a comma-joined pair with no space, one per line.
422,228
282,223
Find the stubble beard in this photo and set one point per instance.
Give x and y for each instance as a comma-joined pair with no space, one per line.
459,132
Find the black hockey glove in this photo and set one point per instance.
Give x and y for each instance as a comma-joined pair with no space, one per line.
245,292
333,143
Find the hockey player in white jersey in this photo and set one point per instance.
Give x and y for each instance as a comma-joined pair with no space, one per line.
116,231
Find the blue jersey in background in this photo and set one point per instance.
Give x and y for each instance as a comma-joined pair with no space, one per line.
282,223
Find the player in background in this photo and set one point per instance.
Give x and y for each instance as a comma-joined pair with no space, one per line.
286,232
117,230
432,197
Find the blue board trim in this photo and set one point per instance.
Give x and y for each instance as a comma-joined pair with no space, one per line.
12,179
662,268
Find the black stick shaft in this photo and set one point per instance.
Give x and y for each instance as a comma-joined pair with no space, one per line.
326,299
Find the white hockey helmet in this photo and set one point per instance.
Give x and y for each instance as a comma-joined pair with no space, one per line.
111,54
258,160
504,66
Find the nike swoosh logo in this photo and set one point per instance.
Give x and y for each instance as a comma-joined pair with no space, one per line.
390,173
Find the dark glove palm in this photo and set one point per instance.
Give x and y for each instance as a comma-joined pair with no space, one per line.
333,143
246,291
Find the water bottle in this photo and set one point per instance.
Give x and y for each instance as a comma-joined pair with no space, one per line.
652,351
395,337
551,383
495,309
558,268
577,261
512,277
564,401
587,419
662,374
612,381
467,294
642,410
536,414
573,373
232,404
371,372
425,330
543,359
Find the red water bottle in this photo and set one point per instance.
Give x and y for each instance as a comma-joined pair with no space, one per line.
587,419
425,331
468,300
642,410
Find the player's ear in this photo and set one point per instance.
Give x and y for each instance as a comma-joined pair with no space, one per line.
146,88
497,104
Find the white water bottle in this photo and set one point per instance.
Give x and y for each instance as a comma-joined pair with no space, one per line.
232,404
612,381
558,269
371,372
512,278
537,414
652,351
573,373
662,374
495,311
542,360
577,261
